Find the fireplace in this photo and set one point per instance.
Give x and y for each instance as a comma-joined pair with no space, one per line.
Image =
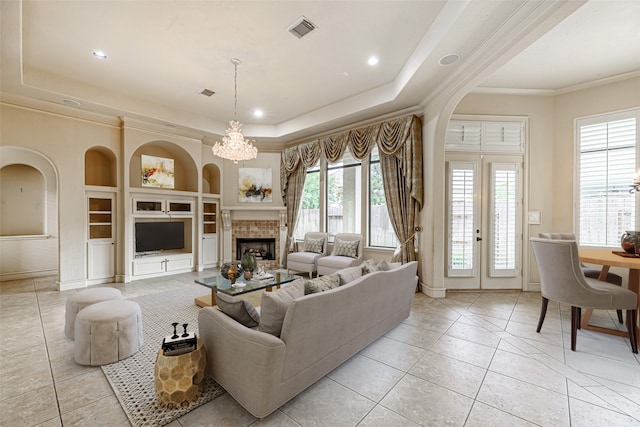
263,248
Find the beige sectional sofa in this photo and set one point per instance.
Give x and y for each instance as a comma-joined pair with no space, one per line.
320,332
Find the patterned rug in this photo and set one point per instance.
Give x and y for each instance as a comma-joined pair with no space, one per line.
132,379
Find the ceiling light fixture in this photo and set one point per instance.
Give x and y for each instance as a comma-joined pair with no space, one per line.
449,59
258,113
99,54
233,146
372,61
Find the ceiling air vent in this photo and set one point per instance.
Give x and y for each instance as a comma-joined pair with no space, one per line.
301,27
206,92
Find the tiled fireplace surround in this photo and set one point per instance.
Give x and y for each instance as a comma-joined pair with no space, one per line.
256,229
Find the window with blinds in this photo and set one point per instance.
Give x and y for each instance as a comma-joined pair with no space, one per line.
462,178
607,164
504,210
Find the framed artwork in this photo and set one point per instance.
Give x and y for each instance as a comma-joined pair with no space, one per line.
157,172
254,185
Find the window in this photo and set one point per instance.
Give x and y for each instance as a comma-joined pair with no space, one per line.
607,163
309,217
380,229
344,196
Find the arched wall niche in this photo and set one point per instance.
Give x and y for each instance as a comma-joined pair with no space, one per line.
100,167
185,170
23,199
211,179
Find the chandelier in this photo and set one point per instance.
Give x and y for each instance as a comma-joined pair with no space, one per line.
233,146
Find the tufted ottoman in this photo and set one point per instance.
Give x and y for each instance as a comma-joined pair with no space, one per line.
107,331
85,298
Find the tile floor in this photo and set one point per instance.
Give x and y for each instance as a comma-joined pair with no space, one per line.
471,359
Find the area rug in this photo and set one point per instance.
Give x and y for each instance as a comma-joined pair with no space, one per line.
132,379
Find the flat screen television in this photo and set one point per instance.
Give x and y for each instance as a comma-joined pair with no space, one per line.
159,236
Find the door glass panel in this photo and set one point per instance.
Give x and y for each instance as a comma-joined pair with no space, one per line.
462,178
504,208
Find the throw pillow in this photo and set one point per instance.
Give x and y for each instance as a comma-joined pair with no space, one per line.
346,248
313,245
238,309
322,283
369,266
384,265
274,305
349,274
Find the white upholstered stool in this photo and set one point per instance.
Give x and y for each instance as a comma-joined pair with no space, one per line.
107,331
85,298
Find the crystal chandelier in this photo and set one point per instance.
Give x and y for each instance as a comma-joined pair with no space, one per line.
233,146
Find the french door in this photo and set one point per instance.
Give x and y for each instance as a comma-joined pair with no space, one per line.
484,221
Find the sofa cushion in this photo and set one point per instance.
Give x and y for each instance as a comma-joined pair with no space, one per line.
322,283
313,245
274,305
348,274
238,309
369,266
346,248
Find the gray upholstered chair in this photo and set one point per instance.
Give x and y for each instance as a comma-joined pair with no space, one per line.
592,273
306,260
345,253
562,280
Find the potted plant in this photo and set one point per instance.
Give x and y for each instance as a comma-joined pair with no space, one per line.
248,263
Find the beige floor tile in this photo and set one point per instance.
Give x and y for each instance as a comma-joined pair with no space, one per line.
625,373
473,333
102,412
527,401
276,419
383,417
475,354
482,415
29,409
412,335
82,390
582,393
221,412
427,404
491,324
629,392
449,373
393,353
367,377
588,415
327,403
528,370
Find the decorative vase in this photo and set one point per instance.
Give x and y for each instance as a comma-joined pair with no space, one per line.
630,240
233,279
228,270
248,263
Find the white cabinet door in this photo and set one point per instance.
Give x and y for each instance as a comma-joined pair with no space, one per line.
209,250
101,256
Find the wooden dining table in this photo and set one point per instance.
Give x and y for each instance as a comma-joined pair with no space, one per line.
607,259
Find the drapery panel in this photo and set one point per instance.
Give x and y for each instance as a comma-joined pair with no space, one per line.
399,142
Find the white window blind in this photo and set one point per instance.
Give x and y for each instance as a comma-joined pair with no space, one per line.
607,165
504,211
462,178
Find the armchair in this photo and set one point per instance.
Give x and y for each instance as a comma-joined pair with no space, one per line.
562,280
306,260
347,252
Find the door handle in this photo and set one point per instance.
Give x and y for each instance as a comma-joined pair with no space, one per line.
478,239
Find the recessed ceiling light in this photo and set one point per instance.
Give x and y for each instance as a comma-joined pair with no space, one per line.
71,102
372,61
449,59
99,54
258,113
345,73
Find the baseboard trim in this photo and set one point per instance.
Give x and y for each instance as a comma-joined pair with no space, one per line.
433,292
27,275
71,284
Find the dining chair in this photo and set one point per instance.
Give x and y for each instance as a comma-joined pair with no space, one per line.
592,273
562,280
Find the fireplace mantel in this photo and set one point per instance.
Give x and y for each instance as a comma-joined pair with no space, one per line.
252,212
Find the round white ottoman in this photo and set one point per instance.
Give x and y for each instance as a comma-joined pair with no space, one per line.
85,298
107,331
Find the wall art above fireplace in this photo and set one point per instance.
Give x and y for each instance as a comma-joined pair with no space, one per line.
255,185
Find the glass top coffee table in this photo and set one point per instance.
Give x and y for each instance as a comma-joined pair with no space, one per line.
242,286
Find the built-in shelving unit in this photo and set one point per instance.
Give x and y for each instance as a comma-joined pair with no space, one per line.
100,218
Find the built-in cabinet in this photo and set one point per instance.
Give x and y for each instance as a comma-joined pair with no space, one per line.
209,234
161,213
100,237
